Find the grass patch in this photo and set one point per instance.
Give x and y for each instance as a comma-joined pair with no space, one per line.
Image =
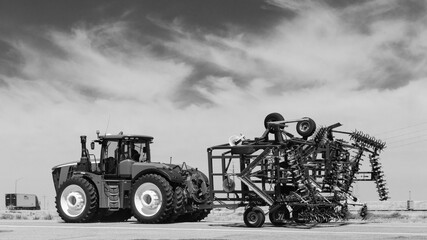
48,217
27,215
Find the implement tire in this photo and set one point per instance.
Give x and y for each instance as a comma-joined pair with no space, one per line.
306,127
152,199
279,216
273,117
77,201
254,217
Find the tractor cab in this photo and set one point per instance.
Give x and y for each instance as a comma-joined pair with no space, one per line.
120,152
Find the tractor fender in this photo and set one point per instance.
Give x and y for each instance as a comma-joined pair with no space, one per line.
61,173
171,174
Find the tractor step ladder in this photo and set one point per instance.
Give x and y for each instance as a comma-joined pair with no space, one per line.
113,197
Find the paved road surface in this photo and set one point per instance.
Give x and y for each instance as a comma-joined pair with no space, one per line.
15,229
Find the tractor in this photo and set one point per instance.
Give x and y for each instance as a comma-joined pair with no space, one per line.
124,182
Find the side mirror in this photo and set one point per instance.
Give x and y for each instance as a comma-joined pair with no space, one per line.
144,150
92,145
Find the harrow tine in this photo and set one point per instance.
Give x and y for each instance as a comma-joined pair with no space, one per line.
366,140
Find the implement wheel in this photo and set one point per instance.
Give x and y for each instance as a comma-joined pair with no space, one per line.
77,201
306,127
273,117
279,216
254,217
152,199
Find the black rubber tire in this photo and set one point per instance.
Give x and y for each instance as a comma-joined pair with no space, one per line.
254,217
279,216
87,193
178,204
306,127
162,189
273,117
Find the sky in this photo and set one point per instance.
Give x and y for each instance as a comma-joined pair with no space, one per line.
192,73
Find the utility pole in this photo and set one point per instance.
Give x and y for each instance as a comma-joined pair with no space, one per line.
44,202
16,184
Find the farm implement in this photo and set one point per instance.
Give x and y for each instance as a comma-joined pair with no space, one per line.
302,179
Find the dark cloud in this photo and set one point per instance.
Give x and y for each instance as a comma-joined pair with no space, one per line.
29,21
410,10
344,3
279,88
150,25
11,60
362,17
212,16
396,64
387,75
3,83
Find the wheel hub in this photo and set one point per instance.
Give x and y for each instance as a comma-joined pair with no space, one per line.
73,200
150,199
253,217
304,127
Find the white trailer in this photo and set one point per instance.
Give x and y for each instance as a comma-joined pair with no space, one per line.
22,201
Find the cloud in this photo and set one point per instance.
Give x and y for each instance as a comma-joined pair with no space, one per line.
322,44
380,44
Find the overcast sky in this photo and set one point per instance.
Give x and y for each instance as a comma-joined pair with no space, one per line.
192,73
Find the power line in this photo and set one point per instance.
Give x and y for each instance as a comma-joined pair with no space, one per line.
405,144
404,134
404,139
399,129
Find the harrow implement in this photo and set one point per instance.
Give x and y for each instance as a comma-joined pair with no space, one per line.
305,178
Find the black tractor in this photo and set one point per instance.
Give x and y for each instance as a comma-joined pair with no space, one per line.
124,182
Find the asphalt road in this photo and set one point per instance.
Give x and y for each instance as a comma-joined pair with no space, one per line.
27,229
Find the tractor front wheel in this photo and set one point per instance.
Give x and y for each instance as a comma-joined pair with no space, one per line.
152,199
77,201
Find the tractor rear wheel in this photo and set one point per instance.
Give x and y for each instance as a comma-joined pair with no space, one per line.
152,199
178,204
77,201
